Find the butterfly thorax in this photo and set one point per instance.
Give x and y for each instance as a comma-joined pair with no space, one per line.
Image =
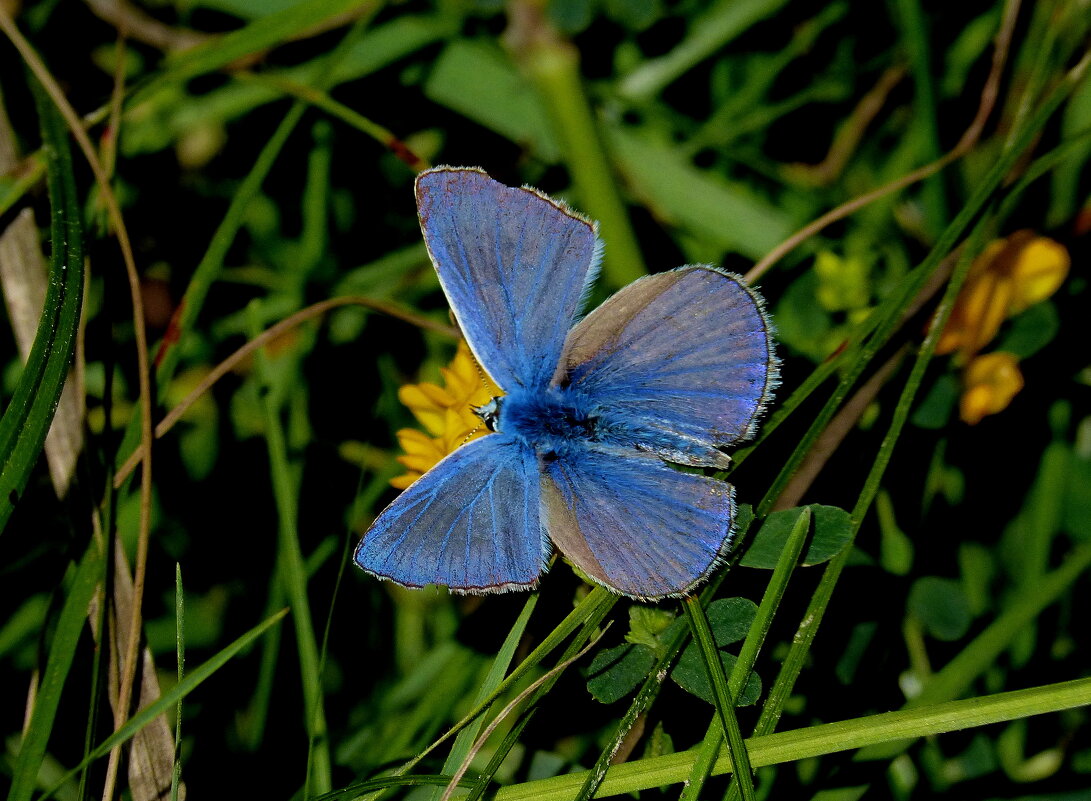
548,420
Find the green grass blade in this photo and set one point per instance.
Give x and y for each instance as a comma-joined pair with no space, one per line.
180,656
27,418
591,622
816,609
174,695
647,694
555,70
716,27
800,647
465,739
748,654
262,34
210,267
827,738
972,661
591,609
293,573
725,701
892,310
62,650
924,131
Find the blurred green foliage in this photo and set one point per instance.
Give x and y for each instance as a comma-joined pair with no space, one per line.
264,153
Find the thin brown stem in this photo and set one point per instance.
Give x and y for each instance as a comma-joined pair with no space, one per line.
849,135
507,710
72,120
989,93
264,338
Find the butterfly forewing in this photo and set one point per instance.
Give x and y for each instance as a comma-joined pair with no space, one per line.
471,523
514,266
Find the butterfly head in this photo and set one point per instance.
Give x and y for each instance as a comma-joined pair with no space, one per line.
489,413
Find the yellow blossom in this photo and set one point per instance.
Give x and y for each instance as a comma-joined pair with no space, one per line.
1009,276
989,384
446,412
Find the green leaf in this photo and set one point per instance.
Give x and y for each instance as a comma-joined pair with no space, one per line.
1032,330
1077,502
265,32
803,325
478,82
939,402
896,549
941,605
695,200
616,672
730,619
716,26
246,9
832,532
691,675
647,624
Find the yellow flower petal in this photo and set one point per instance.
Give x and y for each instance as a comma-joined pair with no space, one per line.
990,382
420,463
986,309
415,442
446,412
1009,276
1039,271
404,481
423,408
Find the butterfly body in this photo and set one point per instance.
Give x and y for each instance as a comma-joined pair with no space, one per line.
671,369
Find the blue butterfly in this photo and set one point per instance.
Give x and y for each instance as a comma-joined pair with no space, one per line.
672,368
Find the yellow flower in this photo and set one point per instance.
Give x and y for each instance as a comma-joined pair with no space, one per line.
1009,276
989,384
445,412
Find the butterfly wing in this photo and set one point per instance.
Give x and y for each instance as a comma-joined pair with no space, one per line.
471,523
514,265
634,524
685,354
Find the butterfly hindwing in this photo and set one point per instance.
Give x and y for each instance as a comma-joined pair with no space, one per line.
687,352
634,524
471,523
514,265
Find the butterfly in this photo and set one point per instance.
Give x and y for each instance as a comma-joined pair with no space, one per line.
595,411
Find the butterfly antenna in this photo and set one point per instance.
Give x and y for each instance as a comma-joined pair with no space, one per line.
470,435
480,371
485,385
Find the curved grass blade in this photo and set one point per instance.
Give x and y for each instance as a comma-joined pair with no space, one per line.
264,33
170,698
26,421
62,650
596,613
648,692
748,654
825,738
725,702
465,739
